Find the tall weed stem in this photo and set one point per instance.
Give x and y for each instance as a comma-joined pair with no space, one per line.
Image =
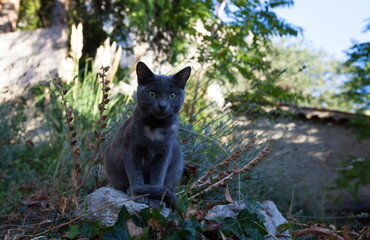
101,123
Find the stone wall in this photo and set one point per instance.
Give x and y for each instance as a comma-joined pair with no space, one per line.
27,57
305,161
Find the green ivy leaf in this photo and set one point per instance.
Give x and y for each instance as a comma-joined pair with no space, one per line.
250,222
247,225
146,214
118,233
87,230
123,216
157,215
232,225
73,231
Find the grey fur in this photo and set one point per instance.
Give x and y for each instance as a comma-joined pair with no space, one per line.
144,156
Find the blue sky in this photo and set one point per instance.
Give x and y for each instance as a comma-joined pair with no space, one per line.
331,25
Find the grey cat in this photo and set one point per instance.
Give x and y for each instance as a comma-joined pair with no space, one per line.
144,156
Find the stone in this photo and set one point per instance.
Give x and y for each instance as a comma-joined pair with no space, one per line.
105,204
223,211
273,218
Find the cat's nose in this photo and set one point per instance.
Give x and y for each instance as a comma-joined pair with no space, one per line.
162,105
162,108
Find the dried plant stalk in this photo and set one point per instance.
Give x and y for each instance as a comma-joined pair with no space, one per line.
222,176
101,124
206,176
75,150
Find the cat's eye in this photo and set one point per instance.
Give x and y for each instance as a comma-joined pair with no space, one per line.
173,96
152,94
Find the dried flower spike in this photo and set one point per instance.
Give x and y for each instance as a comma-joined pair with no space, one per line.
74,134
92,146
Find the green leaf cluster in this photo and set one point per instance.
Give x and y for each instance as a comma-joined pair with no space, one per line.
247,225
357,68
34,14
24,163
353,175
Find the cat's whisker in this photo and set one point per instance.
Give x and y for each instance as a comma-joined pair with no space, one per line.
146,114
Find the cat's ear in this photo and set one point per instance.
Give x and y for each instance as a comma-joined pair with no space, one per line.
143,73
182,77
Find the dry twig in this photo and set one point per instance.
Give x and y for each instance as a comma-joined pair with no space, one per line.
222,176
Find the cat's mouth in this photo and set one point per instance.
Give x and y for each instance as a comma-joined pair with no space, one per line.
161,115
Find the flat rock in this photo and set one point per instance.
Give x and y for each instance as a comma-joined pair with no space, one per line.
273,217
229,210
105,204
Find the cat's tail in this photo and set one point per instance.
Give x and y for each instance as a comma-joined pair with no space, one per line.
157,192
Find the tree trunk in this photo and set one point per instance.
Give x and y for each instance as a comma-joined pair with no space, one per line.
59,15
8,15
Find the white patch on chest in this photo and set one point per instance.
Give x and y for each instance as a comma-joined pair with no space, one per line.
174,127
154,134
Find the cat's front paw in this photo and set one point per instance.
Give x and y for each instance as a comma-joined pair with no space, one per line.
154,203
143,200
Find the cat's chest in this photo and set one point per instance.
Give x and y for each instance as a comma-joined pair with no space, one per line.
160,134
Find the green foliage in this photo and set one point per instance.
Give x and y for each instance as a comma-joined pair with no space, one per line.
354,174
360,126
84,96
311,73
34,14
24,163
246,226
294,73
357,89
163,23
12,150
201,143
357,68
170,28
180,225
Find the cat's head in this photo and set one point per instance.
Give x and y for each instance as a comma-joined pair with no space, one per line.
160,96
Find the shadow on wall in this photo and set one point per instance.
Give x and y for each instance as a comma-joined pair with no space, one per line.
28,57
305,161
